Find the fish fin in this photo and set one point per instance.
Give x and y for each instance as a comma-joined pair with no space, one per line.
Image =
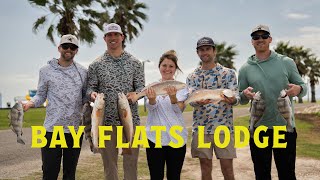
13,130
95,150
215,101
289,129
19,140
125,113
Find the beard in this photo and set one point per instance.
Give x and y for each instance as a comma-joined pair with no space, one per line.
68,57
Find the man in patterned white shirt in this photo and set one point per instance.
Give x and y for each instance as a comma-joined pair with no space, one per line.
211,75
114,72
63,82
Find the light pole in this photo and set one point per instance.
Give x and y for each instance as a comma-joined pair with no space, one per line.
144,98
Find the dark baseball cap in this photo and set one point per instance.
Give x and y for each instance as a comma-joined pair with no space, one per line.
205,41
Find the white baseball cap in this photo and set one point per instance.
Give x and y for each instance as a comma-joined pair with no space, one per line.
261,28
112,27
69,38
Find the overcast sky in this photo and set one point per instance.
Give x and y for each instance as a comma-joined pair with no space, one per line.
172,24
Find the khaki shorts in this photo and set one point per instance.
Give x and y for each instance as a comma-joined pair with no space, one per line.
228,152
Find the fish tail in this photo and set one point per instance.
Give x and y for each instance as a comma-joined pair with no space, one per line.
186,103
95,150
289,128
20,140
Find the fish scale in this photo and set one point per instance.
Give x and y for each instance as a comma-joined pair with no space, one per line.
16,121
159,88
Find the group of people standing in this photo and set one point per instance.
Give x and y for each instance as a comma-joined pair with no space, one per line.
67,85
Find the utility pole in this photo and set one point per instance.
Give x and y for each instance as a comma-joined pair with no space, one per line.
144,98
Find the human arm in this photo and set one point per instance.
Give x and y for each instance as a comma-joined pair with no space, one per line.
92,83
42,91
151,103
245,91
177,103
296,87
232,84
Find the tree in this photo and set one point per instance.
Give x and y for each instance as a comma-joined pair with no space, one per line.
226,54
314,75
81,17
299,54
70,17
128,14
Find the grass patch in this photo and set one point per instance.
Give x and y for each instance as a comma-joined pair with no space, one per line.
91,166
307,144
33,117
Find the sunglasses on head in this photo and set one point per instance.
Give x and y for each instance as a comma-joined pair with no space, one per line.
263,36
69,45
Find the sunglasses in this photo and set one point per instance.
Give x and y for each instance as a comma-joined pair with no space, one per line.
69,45
263,36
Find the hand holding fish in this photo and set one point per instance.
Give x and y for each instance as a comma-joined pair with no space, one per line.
293,90
131,96
27,106
93,96
247,92
172,91
151,94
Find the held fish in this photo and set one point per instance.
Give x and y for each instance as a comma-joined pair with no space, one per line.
86,121
159,88
125,115
216,95
16,121
97,118
284,107
257,109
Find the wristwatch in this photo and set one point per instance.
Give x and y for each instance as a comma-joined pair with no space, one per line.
301,89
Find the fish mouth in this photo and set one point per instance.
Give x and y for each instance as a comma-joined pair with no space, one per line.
226,97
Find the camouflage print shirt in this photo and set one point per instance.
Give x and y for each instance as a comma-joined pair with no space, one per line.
213,115
110,76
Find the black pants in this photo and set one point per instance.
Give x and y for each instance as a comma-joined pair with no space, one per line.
51,159
158,157
285,158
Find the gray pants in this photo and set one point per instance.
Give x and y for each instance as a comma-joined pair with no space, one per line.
109,156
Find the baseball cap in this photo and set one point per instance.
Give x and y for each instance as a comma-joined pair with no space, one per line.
69,38
260,28
205,41
112,27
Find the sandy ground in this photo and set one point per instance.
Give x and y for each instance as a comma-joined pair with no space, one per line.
18,160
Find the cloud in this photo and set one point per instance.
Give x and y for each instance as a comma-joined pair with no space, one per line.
309,37
297,16
170,11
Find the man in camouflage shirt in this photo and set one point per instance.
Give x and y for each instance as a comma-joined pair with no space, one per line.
114,72
211,75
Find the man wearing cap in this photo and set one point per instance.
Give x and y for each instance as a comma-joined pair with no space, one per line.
63,82
114,72
268,72
212,75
